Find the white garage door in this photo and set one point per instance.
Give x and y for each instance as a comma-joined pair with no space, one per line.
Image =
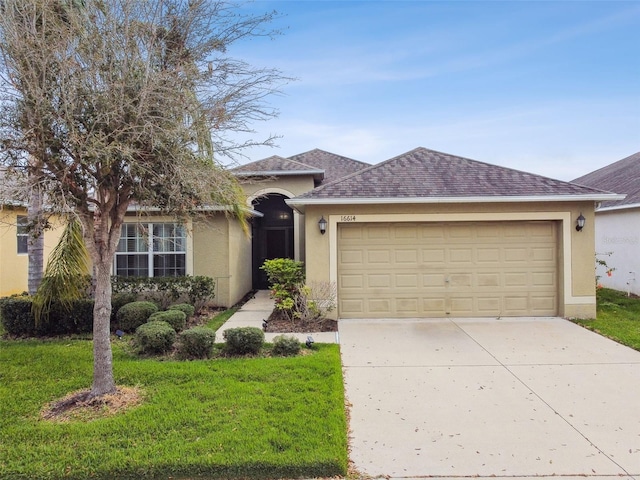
456,269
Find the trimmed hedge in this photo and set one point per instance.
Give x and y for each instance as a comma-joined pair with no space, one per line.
17,319
196,342
176,318
155,337
243,340
189,310
134,314
286,346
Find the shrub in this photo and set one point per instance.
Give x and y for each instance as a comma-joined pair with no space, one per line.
176,318
285,276
134,314
164,291
243,340
18,319
196,342
201,291
155,337
76,319
285,346
16,316
189,310
118,300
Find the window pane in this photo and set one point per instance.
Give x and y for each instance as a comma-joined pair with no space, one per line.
169,265
22,233
132,265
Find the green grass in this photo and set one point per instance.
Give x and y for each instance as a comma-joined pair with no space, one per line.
218,320
618,317
222,418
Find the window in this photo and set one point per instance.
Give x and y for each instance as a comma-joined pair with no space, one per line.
22,233
152,250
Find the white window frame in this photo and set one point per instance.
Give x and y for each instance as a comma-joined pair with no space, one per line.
22,234
150,240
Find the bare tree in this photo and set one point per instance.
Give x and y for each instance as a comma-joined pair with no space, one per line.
136,97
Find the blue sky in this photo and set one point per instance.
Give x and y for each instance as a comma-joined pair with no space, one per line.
547,87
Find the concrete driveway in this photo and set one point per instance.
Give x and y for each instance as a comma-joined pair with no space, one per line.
490,397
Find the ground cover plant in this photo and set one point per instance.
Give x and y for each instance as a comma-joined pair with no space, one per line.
618,317
224,418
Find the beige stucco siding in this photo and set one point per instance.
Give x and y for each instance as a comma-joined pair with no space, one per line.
576,252
222,250
289,186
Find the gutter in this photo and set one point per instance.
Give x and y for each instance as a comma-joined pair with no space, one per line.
299,204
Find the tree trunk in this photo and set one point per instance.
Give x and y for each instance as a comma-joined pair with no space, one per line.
103,381
35,242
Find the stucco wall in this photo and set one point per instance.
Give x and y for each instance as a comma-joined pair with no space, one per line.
14,267
618,232
576,249
222,250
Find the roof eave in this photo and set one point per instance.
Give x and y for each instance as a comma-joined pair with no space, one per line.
317,174
618,207
300,203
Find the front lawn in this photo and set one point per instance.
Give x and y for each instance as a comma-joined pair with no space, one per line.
618,317
222,418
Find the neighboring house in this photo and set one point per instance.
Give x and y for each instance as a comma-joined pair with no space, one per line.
14,235
618,224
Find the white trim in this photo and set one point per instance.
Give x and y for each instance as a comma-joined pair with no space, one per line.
563,217
301,202
267,191
618,207
278,173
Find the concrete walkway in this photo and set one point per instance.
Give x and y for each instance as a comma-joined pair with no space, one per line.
510,398
252,313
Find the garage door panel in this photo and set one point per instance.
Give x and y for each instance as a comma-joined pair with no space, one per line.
472,269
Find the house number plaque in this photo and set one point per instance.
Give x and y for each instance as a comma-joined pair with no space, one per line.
347,218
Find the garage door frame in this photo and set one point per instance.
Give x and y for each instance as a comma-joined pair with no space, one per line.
564,218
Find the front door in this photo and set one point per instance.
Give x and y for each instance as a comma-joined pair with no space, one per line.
272,235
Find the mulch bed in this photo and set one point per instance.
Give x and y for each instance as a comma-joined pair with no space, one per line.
279,323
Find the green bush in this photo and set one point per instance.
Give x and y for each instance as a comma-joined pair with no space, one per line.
176,318
188,310
155,337
243,340
118,300
77,319
285,346
197,290
134,314
17,318
196,342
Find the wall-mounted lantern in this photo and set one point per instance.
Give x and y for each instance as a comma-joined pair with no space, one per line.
322,225
580,222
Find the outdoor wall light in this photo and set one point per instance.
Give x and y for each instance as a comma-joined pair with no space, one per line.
580,222
322,224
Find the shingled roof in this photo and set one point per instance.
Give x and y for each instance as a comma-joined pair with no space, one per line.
622,176
426,175
324,166
334,166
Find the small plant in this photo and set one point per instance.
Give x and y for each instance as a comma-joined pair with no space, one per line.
134,314
196,342
243,340
189,310
600,262
176,318
155,337
285,346
201,291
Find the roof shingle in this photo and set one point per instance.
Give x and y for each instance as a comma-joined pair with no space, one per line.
622,176
423,173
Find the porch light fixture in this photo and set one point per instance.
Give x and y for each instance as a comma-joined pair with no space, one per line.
322,224
580,222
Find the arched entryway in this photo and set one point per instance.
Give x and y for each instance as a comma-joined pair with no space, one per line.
273,235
